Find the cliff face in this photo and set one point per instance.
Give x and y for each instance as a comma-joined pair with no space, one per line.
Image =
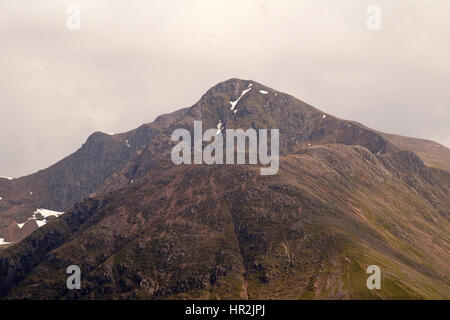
345,197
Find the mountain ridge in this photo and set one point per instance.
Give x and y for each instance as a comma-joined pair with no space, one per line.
107,163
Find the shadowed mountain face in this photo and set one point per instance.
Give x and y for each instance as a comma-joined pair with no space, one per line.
345,197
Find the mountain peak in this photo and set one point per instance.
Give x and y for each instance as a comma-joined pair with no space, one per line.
108,162
235,85
344,197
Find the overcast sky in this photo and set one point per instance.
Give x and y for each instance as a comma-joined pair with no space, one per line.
134,60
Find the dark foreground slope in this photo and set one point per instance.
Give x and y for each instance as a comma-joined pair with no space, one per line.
195,231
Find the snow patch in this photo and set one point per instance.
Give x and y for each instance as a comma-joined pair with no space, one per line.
45,213
20,225
6,178
235,111
2,241
234,103
380,152
219,127
41,223
324,116
48,213
263,91
132,180
127,143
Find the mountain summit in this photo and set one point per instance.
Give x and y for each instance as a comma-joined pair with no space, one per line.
139,227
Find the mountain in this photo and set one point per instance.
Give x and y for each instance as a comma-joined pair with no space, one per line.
73,178
345,197
106,162
432,153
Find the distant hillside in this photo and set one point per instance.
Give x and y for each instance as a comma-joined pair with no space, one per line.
432,153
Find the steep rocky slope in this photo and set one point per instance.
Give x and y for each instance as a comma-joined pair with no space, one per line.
346,196
106,162
195,231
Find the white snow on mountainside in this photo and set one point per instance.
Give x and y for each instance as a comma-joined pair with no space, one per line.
44,213
234,103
